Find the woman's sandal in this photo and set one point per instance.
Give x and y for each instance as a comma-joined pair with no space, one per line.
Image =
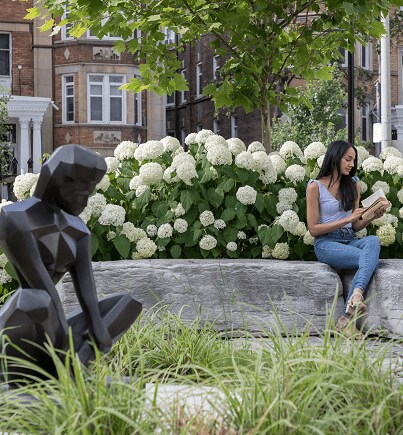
346,326
356,306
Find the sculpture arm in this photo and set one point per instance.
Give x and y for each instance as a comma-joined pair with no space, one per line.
84,284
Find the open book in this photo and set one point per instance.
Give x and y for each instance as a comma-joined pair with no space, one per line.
373,203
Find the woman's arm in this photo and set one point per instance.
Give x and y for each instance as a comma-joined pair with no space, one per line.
360,224
312,214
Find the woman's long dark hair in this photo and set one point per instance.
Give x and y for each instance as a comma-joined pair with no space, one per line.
331,165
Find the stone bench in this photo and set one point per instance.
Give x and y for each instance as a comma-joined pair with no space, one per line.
247,294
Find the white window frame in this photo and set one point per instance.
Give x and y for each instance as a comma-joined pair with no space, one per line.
10,55
216,66
344,63
169,36
183,135
65,96
364,119
105,99
199,127
170,100
64,32
199,79
138,120
216,126
183,93
366,60
234,126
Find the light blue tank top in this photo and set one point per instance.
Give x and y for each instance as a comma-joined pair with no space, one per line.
329,206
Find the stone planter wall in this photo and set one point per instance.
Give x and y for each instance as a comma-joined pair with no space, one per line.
249,294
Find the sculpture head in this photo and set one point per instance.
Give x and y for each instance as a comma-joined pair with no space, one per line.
69,177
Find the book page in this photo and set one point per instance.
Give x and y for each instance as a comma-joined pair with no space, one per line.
371,199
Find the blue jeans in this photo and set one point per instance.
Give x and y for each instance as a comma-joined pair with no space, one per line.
341,249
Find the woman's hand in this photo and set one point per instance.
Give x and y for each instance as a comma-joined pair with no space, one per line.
356,214
379,213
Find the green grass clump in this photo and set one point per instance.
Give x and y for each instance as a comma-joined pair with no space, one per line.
281,385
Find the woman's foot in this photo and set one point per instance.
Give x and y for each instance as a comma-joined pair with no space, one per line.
346,326
356,303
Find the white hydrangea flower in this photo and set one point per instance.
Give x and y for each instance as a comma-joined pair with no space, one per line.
236,145
164,231
319,161
363,186
281,207
85,215
23,183
167,177
4,202
362,233
208,242
110,235
363,153
268,177
133,233
290,149
186,172
391,164
214,173
401,212
151,173
206,218
179,210
135,182
381,185
241,235
112,164
281,251
202,136
256,146
183,158
141,189
300,230
150,150
219,224
4,277
295,173
246,195
3,260
386,219
278,163
112,215
289,220
125,150
245,160
32,190
314,150
372,164
219,155
151,230
399,171
96,204
263,162
254,240
145,248
308,238
287,194
389,151
170,143
386,234
103,184
215,140
232,246
181,225
190,138
400,195
266,251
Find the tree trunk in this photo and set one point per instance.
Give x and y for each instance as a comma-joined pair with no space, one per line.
266,127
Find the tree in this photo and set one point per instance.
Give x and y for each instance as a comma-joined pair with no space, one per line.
264,44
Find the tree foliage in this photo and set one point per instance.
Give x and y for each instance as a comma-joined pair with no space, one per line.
264,44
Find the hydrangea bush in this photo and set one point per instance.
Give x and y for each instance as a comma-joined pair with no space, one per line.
220,198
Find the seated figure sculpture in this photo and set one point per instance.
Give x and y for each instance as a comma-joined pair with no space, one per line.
43,238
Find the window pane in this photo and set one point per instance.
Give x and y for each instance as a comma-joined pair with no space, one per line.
116,109
70,109
96,78
115,90
96,109
69,79
4,41
4,63
116,79
96,90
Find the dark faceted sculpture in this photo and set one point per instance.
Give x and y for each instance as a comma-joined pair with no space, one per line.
44,238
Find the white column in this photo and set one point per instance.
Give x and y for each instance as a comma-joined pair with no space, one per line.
24,152
385,87
37,144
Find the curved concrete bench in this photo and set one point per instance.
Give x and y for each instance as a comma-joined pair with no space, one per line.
241,294
236,294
